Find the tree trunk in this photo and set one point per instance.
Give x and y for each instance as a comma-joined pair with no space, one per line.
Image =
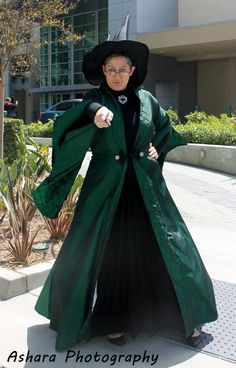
2,86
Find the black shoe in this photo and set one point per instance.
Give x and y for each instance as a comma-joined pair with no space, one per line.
120,341
194,341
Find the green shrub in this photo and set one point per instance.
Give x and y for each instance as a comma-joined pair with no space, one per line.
13,135
200,128
17,181
173,115
212,131
197,117
224,118
39,129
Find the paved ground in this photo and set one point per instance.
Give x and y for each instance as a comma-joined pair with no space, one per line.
207,201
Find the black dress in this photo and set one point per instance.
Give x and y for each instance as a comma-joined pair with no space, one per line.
134,291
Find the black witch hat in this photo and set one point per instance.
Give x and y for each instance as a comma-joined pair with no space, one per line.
138,52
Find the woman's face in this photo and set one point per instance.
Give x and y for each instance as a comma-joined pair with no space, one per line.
117,72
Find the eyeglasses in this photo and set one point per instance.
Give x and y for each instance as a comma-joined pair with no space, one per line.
123,72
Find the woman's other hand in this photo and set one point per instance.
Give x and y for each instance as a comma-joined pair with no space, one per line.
152,152
103,117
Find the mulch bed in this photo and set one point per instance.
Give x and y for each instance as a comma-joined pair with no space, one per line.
35,257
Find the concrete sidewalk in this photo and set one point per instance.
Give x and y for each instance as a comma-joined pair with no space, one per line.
24,331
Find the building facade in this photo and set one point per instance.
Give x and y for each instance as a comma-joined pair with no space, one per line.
61,77
192,52
200,57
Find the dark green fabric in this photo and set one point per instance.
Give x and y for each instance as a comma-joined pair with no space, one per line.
67,296
70,144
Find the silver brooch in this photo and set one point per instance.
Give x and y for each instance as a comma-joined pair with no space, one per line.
122,99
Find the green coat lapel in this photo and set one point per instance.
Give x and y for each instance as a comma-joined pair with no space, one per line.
144,121
117,124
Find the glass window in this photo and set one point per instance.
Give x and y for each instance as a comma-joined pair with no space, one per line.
60,68
61,57
102,38
60,80
44,30
61,54
79,30
44,70
44,59
43,101
87,18
86,42
79,54
78,67
103,15
83,28
103,28
89,42
89,37
67,20
44,76
56,98
44,50
44,37
85,24
55,34
66,96
79,78
43,81
59,47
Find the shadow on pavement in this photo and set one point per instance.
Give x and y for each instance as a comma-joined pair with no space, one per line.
141,352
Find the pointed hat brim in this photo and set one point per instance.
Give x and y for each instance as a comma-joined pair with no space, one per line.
138,52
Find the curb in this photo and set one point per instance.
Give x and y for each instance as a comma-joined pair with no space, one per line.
42,140
13,283
212,157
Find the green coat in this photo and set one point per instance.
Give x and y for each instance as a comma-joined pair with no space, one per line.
67,296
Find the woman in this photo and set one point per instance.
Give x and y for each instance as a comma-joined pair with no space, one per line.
128,263
10,107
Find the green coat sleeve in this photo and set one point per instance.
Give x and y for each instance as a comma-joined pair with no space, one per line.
70,144
164,128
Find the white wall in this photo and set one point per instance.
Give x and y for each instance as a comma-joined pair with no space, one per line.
194,12
155,15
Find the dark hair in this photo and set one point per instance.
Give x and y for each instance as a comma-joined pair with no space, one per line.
108,58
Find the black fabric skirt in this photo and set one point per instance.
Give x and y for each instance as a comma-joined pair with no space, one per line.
134,291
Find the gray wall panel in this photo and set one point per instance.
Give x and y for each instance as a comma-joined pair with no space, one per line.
154,15
168,69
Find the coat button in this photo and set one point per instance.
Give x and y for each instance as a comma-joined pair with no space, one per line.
117,157
141,154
